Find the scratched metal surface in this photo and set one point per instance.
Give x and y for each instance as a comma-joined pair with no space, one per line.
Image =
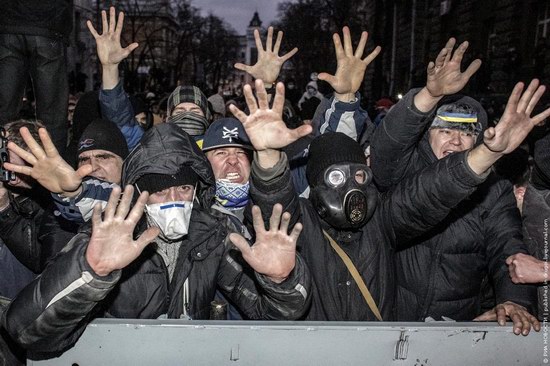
152,342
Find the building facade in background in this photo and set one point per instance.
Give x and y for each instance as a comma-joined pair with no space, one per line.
510,37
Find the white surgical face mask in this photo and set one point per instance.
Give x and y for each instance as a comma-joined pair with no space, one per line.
172,218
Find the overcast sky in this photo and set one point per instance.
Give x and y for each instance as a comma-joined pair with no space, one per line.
238,13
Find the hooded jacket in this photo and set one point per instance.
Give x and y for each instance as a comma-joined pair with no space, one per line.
51,313
441,273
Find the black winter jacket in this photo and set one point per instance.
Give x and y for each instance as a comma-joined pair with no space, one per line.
415,206
32,231
52,312
441,272
536,219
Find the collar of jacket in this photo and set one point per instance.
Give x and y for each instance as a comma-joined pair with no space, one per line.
233,221
202,228
343,237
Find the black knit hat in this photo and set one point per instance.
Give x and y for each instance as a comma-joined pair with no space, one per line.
331,148
153,183
103,135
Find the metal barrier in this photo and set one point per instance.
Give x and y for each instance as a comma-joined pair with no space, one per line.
175,342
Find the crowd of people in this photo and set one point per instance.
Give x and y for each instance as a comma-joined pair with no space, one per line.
276,215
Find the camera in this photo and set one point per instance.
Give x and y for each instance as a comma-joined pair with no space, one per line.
5,175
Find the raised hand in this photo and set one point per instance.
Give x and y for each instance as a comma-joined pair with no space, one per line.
516,122
109,50
269,62
351,67
46,165
264,126
444,75
522,319
112,245
274,252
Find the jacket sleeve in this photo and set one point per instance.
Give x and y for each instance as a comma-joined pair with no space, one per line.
116,107
50,314
503,238
271,186
395,140
80,208
348,118
19,231
421,201
259,297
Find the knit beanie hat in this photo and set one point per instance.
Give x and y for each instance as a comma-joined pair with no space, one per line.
154,183
331,148
188,94
461,114
103,135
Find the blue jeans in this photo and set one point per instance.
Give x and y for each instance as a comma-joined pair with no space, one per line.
44,59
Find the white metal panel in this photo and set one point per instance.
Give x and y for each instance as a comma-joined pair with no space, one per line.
152,342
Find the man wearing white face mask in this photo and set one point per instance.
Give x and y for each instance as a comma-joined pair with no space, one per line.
169,208
113,272
170,202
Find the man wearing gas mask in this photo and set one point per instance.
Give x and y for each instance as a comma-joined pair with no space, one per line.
176,276
345,221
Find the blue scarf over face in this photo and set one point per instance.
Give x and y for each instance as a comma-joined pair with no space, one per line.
232,196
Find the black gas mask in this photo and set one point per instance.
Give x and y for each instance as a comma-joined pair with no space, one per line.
344,196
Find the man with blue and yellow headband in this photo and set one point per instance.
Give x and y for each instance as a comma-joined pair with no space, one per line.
444,273
455,127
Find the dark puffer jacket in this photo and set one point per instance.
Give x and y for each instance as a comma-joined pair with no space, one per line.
399,216
32,231
441,273
51,313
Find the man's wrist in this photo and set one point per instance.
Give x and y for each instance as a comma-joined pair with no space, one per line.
277,279
424,101
481,158
98,269
71,194
345,97
268,158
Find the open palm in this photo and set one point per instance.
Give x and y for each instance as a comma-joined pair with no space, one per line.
351,67
109,49
444,75
269,62
516,122
265,126
274,252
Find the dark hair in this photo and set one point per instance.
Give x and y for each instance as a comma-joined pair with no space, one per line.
12,128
